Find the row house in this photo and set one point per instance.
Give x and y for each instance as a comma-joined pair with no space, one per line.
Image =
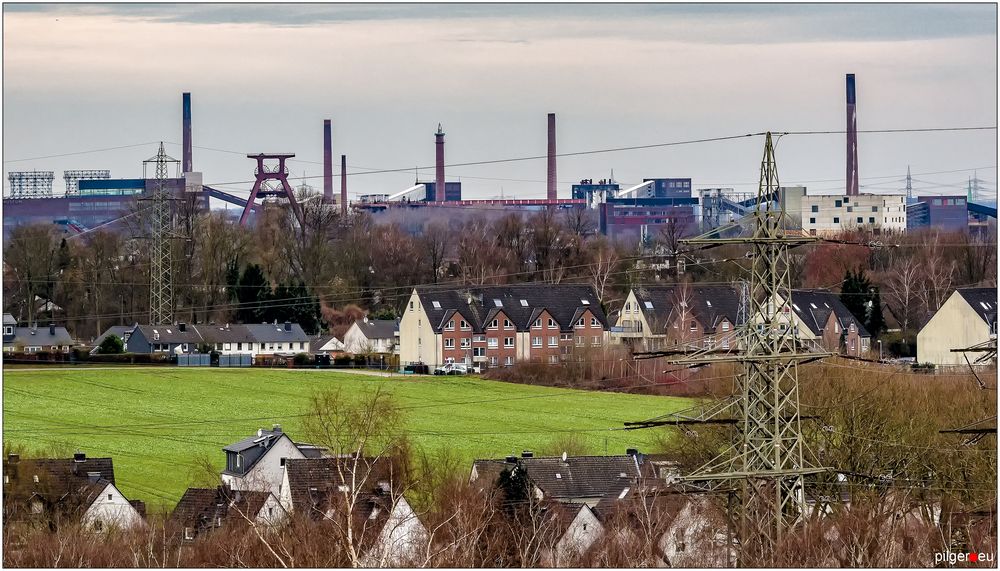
681,316
239,339
501,325
693,317
34,339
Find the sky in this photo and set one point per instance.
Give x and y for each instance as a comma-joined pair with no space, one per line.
82,77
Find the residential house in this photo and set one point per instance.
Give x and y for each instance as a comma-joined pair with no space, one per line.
120,331
229,339
501,325
326,344
967,318
575,529
823,321
372,336
564,479
72,490
202,510
360,493
34,339
258,462
680,316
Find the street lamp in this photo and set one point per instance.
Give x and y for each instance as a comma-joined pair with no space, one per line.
879,350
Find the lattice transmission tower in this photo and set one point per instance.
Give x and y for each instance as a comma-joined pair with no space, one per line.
766,465
159,209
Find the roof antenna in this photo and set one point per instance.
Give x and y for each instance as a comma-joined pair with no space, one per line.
564,456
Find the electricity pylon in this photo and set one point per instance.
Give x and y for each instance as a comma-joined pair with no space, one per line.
161,291
768,461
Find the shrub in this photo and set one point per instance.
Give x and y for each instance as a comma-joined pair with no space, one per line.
111,345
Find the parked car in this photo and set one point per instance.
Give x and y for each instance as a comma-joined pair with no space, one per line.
416,369
451,369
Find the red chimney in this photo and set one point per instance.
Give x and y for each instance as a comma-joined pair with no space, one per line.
343,185
327,163
551,179
439,166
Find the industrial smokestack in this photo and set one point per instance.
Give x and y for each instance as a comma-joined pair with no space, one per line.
327,163
852,139
439,165
551,178
186,97
343,185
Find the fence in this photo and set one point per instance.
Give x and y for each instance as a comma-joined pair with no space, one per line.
235,360
194,360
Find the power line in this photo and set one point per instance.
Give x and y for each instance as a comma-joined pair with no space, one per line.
80,152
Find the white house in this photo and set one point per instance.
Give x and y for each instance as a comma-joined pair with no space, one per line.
575,538
77,489
202,510
258,462
372,336
967,318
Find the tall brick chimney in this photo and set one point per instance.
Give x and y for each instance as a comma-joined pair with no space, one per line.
551,177
852,138
186,152
439,165
327,163
343,185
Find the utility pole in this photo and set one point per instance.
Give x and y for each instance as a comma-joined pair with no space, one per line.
765,467
161,291
909,186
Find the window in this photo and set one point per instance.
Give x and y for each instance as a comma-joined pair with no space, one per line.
497,303
449,343
725,343
436,304
553,358
815,208
874,208
508,341
847,199
596,341
871,220
553,341
837,204
239,461
466,343
411,306
860,220
537,324
524,303
239,346
479,351
450,326
585,302
492,342
188,533
649,305
812,220
565,336
580,323
302,345
493,361
725,326
694,326
281,462
464,325
536,341
508,360
494,324
552,323
850,209
836,220
594,322
507,324
580,341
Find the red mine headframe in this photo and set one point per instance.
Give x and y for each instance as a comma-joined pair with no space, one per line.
261,187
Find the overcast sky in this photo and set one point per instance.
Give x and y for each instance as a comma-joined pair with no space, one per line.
263,77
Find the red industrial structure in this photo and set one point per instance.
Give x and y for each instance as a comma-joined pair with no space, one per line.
852,138
327,163
551,177
261,187
439,186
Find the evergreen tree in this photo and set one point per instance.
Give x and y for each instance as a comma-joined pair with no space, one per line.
111,345
863,300
252,292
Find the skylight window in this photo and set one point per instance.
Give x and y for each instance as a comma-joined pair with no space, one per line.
813,305
497,303
708,302
585,302
649,305
984,304
623,494
524,303
436,304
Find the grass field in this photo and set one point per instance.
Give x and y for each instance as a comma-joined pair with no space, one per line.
155,422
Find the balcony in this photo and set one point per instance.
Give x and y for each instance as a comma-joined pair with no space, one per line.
627,331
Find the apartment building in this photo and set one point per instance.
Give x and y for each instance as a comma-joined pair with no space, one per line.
501,325
827,214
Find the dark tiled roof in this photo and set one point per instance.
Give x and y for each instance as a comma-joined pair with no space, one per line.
319,341
202,509
983,301
315,483
575,478
708,304
65,483
116,330
263,438
521,303
270,333
170,334
8,319
378,328
814,307
40,336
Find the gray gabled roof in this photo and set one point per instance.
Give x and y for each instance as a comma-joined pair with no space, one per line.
576,477
710,305
983,301
814,308
521,303
116,330
169,334
8,319
40,336
378,328
264,438
271,333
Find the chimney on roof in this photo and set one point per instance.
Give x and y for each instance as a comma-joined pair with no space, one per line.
182,326
79,457
511,459
632,452
52,328
13,458
527,454
288,326
260,432
276,428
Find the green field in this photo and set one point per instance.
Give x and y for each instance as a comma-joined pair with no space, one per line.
156,422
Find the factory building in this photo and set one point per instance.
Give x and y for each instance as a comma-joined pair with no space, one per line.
643,217
827,214
950,213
